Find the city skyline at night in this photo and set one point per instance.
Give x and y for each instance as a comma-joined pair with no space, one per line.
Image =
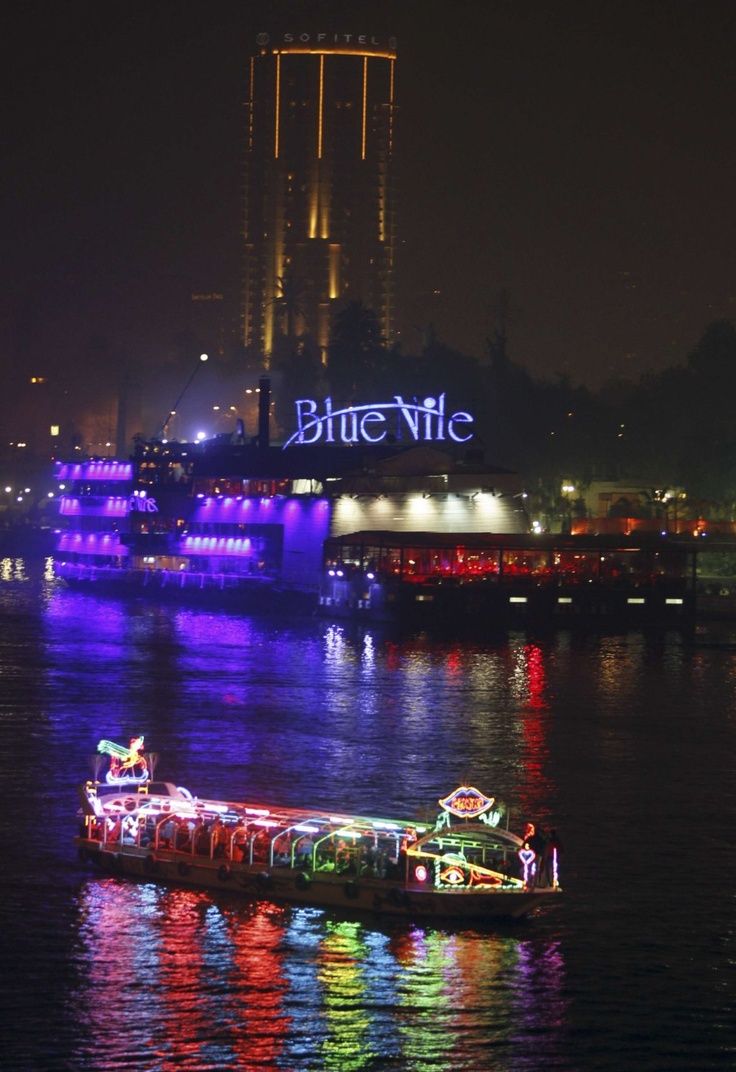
573,161
318,207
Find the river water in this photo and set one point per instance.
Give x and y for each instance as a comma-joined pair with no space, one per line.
625,743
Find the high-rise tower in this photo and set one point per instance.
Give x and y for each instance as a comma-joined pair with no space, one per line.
319,196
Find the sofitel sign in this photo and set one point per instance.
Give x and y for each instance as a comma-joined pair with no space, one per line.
312,39
425,422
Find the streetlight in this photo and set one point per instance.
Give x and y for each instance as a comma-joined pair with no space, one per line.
187,385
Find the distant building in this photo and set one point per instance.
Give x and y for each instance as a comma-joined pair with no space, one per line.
318,226
208,319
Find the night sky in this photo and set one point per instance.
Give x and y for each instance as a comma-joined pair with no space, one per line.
578,156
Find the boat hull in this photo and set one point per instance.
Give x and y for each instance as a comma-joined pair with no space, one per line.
320,890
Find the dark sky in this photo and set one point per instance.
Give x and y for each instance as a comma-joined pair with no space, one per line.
577,155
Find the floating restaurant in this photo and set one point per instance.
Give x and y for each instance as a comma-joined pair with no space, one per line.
363,525
509,579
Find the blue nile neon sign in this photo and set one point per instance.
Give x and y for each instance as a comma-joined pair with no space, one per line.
425,422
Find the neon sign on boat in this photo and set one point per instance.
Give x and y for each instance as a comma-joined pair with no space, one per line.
425,422
467,802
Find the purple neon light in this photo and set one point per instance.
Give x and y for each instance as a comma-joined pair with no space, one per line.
226,509
112,506
526,856
102,543
304,521
219,545
106,470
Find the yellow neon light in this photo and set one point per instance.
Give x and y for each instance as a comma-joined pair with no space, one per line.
313,209
323,330
365,107
278,107
391,107
334,271
321,104
332,52
476,870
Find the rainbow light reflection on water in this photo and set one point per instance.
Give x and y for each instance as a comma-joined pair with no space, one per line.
246,986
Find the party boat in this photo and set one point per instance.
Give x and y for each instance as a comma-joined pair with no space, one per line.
463,865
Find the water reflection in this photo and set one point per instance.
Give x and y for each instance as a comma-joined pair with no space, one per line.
595,735
171,978
13,569
308,713
537,1005
530,677
343,965
258,1001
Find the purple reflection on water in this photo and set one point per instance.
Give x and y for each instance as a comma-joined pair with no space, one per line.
540,1008
332,716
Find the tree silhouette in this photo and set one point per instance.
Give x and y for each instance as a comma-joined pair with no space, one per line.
357,359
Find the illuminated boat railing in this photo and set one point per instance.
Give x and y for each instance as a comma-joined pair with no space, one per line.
158,578
130,817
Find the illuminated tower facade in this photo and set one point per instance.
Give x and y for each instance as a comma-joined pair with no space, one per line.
319,198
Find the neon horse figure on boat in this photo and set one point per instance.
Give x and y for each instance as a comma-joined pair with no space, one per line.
128,766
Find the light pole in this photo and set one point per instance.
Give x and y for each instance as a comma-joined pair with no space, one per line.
172,412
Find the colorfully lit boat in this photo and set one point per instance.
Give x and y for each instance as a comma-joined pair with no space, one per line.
464,865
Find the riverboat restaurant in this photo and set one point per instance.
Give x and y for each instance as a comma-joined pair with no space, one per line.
362,527
507,578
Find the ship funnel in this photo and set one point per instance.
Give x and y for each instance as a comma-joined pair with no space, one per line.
264,407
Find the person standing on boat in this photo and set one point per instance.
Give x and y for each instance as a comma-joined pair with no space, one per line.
239,838
304,851
537,843
218,836
342,856
183,840
167,833
200,838
114,829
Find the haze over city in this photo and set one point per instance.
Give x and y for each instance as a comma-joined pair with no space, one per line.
573,158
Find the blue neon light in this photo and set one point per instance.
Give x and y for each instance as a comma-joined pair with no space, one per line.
427,422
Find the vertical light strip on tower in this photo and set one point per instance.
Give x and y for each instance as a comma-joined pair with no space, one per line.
365,106
278,107
334,263
251,88
391,106
321,105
